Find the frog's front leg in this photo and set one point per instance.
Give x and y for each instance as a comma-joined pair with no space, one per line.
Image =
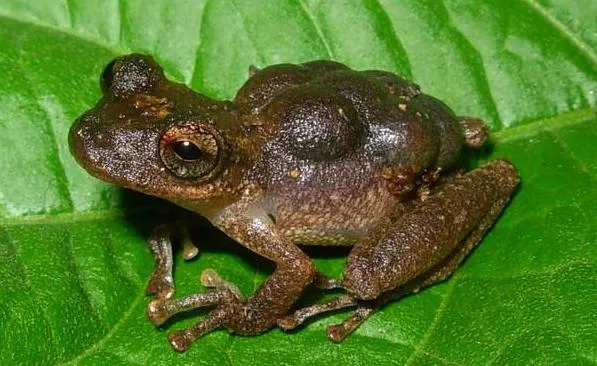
421,247
294,272
161,283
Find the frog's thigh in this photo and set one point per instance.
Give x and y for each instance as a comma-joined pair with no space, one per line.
426,244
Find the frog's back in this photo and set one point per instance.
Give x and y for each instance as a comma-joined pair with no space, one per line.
342,145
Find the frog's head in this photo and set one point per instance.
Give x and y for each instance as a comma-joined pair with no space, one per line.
160,137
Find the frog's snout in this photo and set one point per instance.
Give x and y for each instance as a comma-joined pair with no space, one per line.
95,145
80,135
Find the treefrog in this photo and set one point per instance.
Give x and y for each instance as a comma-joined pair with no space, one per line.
313,154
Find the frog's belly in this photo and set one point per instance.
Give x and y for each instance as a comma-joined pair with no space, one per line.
332,217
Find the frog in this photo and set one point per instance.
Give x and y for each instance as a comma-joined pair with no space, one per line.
305,154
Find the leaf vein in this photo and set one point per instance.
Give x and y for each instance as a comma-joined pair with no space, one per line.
559,306
506,342
117,265
438,315
246,30
100,344
317,28
70,13
581,166
120,17
76,273
34,295
201,39
579,44
534,127
481,75
394,38
61,177
555,270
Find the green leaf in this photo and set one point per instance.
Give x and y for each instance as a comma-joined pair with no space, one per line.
74,263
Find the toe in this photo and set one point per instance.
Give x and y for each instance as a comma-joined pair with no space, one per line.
287,323
179,341
156,311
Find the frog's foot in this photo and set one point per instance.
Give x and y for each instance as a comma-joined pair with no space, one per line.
211,279
292,321
182,339
223,294
338,332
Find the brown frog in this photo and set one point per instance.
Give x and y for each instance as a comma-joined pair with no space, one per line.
314,154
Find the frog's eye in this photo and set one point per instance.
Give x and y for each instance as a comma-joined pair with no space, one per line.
131,74
186,150
189,151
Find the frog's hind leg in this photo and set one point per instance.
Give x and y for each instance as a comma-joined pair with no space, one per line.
422,247
297,318
454,217
338,332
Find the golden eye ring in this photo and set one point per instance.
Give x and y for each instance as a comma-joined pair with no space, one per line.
191,150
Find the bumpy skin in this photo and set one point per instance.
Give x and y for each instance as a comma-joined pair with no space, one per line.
314,154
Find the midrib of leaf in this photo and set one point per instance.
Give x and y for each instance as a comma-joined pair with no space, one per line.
418,350
528,130
541,213
66,217
559,121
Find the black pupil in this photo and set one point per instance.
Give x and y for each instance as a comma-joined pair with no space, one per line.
186,150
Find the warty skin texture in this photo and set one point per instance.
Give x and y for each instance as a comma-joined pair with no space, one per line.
313,154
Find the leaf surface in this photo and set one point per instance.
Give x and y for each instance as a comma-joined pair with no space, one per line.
74,262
